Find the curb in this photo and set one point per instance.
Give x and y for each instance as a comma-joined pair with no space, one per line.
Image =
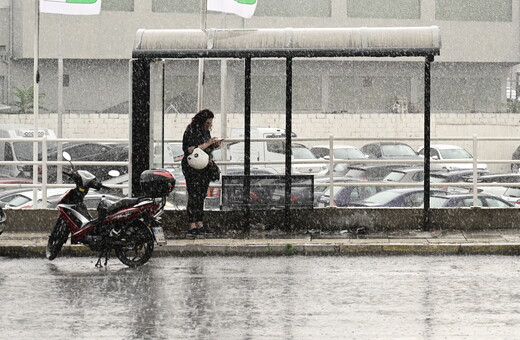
285,249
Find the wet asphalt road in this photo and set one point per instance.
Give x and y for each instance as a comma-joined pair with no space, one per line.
453,297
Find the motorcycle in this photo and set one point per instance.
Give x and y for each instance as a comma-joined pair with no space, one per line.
130,226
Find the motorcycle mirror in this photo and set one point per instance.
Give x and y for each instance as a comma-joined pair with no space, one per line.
114,173
66,156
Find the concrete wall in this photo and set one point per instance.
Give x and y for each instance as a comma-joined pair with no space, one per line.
365,126
324,219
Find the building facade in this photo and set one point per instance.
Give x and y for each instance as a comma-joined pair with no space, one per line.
480,49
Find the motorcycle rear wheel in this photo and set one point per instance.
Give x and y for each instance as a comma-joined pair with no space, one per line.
57,238
137,245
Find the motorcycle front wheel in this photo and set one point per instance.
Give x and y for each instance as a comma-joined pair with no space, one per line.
57,238
136,244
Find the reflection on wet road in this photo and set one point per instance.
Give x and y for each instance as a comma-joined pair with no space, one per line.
473,297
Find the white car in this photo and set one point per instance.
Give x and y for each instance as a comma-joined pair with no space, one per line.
452,153
339,152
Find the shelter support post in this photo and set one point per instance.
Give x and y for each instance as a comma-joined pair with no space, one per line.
288,143
247,143
427,109
140,136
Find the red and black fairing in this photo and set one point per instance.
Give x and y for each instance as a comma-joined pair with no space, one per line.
111,215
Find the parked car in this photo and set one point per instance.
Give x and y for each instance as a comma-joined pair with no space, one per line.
79,150
391,151
5,179
406,175
452,153
498,179
90,152
466,200
319,190
340,152
344,195
512,195
23,198
453,176
400,197
373,172
515,157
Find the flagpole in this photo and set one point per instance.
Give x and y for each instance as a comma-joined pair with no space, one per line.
200,84
36,79
60,95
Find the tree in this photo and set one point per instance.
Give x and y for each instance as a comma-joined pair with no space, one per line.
25,102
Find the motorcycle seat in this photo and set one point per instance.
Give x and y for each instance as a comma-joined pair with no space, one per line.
107,207
121,204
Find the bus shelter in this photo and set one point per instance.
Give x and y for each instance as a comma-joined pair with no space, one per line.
287,43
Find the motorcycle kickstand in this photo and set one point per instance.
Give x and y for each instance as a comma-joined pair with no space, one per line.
104,253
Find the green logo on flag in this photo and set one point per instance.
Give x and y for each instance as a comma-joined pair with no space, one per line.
246,2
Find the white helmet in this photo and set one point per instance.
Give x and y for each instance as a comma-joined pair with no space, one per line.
198,159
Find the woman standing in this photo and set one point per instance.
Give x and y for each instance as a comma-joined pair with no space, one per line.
197,135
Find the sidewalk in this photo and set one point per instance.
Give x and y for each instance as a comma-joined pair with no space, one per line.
495,242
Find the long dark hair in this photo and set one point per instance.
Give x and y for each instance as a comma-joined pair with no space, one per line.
200,118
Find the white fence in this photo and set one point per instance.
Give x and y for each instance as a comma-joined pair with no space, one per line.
331,140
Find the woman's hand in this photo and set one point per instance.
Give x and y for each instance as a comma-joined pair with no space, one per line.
216,141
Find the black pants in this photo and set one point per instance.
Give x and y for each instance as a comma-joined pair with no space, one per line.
197,184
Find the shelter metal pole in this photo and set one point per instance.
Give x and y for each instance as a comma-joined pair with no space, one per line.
288,143
140,137
36,105
247,143
427,97
224,80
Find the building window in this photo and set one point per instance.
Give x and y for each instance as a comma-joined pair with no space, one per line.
293,8
177,6
474,10
117,5
384,9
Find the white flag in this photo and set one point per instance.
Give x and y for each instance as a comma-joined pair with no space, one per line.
71,7
243,8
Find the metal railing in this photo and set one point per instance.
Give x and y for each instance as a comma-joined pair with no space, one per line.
331,140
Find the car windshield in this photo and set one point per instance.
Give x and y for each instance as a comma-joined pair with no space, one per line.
356,173
455,154
394,176
24,150
393,150
382,197
512,192
348,153
437,179
302,153
335,188
17,201
437,202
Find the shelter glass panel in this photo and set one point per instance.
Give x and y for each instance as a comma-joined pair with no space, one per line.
384,9
474,10
465,94
117,5
293,8
180,88
364,94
